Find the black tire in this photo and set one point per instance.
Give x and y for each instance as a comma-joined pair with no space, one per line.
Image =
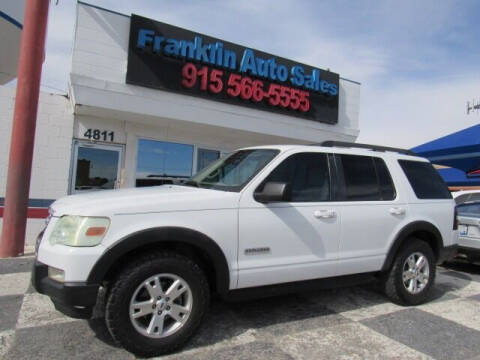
123,288
393,285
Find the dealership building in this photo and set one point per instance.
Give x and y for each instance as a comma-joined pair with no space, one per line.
150,103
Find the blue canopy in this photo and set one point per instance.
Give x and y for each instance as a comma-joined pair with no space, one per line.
455,177
460,150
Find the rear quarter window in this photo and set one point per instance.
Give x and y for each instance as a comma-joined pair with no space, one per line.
426,182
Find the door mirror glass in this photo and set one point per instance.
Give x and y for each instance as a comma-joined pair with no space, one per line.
273,192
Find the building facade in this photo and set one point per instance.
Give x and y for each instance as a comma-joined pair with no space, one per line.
149,103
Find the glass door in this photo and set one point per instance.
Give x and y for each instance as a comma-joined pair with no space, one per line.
95,167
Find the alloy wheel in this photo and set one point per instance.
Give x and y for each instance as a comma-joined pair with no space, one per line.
161,305
416,273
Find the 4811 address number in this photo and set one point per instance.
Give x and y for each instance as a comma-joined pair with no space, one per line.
96,134
245,87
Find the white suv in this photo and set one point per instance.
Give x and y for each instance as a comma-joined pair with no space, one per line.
259,222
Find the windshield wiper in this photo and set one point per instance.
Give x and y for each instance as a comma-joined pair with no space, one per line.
191,183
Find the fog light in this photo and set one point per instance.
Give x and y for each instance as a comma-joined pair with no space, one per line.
56,274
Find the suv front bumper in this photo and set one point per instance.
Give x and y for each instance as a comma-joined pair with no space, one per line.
74,299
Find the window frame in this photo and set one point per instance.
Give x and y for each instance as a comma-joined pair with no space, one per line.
330,177
341,194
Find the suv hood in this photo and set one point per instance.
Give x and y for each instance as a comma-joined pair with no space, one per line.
141,200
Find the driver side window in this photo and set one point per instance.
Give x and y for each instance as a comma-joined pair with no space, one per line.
307,174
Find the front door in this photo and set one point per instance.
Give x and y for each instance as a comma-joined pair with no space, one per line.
292,240
95,167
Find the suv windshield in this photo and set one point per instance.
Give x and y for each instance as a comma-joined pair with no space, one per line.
233,172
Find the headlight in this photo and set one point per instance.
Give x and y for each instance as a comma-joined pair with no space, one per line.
79,231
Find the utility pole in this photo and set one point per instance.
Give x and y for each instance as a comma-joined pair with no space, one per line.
32,50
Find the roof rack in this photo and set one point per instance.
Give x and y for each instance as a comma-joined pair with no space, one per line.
345,144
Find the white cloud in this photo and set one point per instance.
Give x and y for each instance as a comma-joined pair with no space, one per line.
59,43
350,60
397,50
413,113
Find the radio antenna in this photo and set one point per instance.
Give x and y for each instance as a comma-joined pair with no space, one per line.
474,106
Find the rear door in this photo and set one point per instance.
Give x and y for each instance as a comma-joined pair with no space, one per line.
371,211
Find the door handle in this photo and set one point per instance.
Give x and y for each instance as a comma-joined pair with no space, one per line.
324,214
397,211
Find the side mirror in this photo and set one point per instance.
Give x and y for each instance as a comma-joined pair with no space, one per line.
273,192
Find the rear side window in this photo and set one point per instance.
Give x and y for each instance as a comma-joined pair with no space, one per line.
425,180
365,178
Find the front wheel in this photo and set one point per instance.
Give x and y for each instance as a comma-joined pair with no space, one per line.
412,274
157,303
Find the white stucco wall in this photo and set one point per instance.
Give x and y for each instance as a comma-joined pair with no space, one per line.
98,88
52,151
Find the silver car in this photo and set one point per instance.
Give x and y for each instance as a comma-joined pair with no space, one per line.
469,230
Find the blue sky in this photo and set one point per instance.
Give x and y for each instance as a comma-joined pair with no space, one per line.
418,61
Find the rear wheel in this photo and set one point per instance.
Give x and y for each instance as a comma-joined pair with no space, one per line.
412,274
157,303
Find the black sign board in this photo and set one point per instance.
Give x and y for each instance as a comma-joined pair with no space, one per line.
170,58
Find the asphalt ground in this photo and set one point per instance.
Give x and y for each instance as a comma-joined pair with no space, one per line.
347,323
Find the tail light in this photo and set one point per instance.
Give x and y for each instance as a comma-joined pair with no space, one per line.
455,219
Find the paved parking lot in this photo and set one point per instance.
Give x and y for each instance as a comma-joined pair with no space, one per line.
349,323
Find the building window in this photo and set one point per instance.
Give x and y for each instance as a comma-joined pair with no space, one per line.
160,162
205,157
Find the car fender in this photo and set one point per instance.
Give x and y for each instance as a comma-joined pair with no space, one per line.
404,234
158,235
